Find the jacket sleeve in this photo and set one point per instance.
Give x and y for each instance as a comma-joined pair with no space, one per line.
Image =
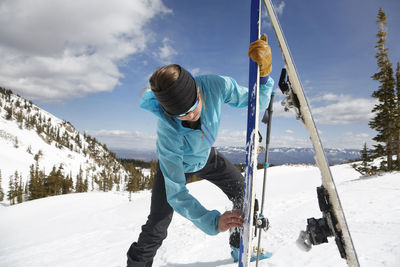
236,95
169,150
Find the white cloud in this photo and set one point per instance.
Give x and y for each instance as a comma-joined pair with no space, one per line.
345,111
330,97
165,52
231,138
195,71
358,135
289,132
349,140
289,141
279,8
54,49
334,109
125,139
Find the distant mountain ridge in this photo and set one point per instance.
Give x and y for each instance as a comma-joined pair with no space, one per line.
287,155
277,156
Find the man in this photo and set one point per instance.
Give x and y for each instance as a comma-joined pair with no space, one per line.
189,110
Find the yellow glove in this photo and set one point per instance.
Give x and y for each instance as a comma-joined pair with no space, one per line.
260,52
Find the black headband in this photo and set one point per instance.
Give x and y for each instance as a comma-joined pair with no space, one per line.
180,96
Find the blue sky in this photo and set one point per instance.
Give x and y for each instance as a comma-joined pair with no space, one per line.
88,61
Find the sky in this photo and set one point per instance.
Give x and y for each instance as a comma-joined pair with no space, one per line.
87,62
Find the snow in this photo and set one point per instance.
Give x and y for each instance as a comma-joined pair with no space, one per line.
96,228
14,155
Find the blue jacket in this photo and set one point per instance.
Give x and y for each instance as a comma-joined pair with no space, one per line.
183,150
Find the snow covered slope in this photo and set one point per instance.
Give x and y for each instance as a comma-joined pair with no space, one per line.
96,229
26,129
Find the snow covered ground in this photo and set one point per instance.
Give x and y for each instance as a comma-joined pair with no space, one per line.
96,229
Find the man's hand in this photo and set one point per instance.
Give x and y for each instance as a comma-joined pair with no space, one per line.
260,52
230,219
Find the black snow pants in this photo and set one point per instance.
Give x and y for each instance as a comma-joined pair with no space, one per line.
217,170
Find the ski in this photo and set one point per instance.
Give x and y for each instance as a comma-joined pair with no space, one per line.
246,236
333,223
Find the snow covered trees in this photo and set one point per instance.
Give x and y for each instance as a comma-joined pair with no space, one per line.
16,192
366,167
96,161
141,174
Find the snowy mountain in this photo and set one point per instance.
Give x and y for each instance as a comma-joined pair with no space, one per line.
145,155
286,155
95,229
278,156
32,139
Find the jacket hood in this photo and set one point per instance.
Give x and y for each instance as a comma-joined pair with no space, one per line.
149,102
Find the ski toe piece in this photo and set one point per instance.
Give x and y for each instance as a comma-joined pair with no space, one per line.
262,256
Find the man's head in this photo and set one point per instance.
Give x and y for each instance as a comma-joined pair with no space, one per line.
176,91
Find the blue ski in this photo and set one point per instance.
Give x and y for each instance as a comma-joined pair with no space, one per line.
251,142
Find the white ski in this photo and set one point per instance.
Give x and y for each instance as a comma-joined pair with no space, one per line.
333,215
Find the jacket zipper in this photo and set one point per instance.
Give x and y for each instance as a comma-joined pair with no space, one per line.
209,133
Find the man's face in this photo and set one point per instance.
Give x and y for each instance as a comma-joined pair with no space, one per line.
195,114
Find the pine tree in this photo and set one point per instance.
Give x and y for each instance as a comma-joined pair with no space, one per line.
41,180
110,181
67,185
153,170
11,191
9,113
20,190
398,113
32,185
365,168
16,142
36,186
384,119
79,182
133,180
86,182
51,183
38,156
1,190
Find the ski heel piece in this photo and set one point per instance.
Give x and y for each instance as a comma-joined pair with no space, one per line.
318,230
303,241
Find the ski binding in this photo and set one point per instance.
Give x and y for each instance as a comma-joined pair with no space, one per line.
318,230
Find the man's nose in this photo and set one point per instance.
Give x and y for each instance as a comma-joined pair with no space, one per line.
191,115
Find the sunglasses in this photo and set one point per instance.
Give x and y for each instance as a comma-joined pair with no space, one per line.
190,110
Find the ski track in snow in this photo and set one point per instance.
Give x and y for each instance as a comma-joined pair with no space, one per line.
96,229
